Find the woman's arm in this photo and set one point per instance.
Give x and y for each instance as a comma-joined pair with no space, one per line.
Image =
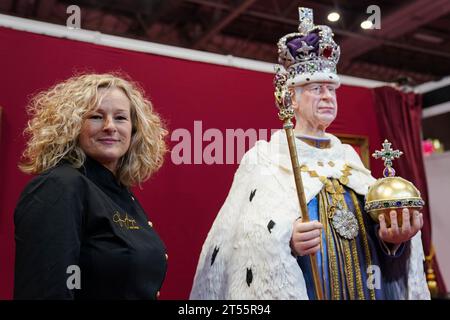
48,237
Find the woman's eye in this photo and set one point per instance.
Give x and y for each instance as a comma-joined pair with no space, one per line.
121,118
95,117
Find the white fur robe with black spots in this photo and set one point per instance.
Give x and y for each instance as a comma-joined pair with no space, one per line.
246,254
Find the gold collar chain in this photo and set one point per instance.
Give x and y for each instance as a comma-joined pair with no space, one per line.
343,220
342,179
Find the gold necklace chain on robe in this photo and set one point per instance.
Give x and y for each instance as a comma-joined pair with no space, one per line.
344,268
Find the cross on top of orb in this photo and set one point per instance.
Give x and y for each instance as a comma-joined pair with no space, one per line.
387,154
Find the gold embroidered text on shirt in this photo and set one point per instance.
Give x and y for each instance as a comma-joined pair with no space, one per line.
128,223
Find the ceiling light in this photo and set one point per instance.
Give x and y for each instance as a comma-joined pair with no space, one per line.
333,16
366,24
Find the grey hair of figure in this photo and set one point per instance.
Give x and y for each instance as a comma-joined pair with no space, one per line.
298,91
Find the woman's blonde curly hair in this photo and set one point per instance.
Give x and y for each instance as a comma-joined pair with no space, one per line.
56,119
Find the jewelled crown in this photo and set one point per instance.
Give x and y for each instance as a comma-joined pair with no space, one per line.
309,55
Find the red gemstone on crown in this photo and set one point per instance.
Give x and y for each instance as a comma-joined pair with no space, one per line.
327,52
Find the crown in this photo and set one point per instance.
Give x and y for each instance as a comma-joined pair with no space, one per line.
309,55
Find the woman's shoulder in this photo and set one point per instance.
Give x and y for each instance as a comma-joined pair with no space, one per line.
62,178
63,172
50,197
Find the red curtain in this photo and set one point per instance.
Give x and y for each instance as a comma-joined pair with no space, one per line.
400,119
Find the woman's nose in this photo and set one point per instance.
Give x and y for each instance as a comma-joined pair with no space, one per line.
109,124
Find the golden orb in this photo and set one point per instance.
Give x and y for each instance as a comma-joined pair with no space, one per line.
391,192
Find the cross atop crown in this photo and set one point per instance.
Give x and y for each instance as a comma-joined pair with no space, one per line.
306,20
387,154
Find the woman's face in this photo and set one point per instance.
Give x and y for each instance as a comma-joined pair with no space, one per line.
106,131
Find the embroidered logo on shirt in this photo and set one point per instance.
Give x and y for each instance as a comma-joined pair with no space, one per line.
126,222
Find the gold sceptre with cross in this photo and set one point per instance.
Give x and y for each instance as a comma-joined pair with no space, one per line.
286,113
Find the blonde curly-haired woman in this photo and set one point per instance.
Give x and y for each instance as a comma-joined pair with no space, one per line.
80,232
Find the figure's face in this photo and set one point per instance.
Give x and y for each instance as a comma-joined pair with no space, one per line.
315,104
106,131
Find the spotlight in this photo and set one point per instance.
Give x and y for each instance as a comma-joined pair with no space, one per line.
333,16
366,24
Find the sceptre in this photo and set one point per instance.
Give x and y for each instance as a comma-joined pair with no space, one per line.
286,113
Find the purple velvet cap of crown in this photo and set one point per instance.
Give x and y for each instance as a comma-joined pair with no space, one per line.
311,39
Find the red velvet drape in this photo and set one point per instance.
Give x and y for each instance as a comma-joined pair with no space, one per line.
400,116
